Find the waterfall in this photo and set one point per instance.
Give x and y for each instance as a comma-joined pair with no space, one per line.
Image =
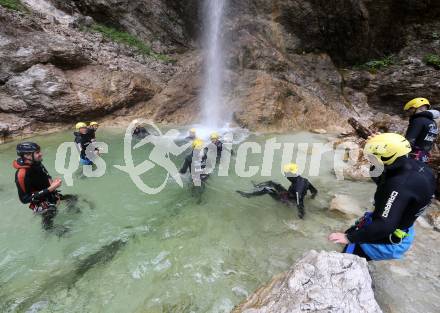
212,92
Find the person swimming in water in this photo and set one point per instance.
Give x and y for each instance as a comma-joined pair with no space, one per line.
294,195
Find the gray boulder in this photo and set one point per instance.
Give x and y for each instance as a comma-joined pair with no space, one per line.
328,282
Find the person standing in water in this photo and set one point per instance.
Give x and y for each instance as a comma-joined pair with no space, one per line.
83,138
215,139
192,135
296,193
422,130
34,184
195,162
91,129
140,132
404,189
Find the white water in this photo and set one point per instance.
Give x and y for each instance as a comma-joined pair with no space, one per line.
212,93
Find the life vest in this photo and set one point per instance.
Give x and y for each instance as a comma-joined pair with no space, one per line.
22,168
21,173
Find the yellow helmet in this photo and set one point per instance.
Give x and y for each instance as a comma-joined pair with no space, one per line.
416,103
197,144
291,169
192,130
387,147
80,125
93,124
214,135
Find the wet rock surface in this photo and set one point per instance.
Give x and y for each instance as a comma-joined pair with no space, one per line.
412,284
284,61
347,206
318,282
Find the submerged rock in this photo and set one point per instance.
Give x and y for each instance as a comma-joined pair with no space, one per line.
346,205
319,282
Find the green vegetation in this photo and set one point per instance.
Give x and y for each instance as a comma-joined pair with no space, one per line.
129,40
435,35
432,60
15,5
376,65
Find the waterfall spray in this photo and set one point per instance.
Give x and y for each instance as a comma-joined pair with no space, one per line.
212,93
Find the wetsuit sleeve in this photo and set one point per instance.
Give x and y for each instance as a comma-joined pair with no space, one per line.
312,189
413,131
386,218
78,142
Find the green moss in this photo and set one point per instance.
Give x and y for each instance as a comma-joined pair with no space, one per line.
432,60
129,40
376,65
15,5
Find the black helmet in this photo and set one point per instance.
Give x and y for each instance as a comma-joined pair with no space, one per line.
27,147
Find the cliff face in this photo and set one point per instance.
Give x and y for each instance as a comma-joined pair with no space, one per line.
290,64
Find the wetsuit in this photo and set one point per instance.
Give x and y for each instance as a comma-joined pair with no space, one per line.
140,132
92,133
296,192
403,192
32,182
187,165
219,146
421,133
83,140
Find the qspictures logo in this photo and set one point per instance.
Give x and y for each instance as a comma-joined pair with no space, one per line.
233,158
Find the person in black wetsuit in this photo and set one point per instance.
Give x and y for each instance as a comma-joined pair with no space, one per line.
140,132
196,168
91,129
296,192
37,188
34,184
83,138
404,190
192,135
215,139
422,130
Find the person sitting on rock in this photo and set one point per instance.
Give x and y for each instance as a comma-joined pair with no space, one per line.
422,130
404,190
296,192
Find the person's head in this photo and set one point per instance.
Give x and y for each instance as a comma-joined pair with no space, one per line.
81,127
94,125
29,151
387,147
416,105
192,132
290,170
214,136
197,144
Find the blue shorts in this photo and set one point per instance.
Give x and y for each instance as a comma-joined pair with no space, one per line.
85,161
380,252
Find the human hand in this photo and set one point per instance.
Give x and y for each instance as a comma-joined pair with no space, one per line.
56,183
339,238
